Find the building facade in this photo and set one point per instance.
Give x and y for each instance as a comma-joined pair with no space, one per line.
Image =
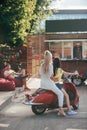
66,34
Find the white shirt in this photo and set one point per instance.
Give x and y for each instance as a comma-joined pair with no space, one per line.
8,73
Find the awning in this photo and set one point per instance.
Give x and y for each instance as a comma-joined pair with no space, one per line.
62,40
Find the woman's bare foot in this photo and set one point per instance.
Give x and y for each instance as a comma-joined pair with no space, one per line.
61,112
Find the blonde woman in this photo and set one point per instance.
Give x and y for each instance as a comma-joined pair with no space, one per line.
45,73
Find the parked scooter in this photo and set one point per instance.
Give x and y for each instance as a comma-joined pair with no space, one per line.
79,78
43,100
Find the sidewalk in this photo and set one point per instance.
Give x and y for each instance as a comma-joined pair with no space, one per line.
5,98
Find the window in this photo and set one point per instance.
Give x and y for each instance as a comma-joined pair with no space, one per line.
77,50
63,49
84,50
67,47
56,47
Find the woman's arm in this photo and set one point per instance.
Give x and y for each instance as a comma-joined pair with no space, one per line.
67,73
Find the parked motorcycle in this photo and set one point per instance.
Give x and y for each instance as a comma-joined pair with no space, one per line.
79,78
43,100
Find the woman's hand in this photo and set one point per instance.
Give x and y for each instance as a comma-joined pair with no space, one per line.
55,79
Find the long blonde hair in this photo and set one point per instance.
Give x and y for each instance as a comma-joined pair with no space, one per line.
47,61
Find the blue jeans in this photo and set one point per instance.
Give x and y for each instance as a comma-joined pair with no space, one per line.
59,86
21,77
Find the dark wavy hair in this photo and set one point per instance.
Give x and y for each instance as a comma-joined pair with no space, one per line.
56,65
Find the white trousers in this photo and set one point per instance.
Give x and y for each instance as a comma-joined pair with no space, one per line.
50,85
59,94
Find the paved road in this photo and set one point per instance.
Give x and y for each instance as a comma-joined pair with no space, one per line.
17,116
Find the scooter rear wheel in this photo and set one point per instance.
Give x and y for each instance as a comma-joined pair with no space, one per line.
38,109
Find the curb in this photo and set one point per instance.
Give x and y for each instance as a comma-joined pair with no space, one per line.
5,101
7,97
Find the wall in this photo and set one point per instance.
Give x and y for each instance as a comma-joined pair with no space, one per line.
35,50
79,65
36,47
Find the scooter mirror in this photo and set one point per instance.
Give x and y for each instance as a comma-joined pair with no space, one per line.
76,72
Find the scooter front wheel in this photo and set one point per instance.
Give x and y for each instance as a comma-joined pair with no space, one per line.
75,107
77,81
38,109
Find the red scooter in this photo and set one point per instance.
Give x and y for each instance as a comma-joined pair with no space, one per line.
43,100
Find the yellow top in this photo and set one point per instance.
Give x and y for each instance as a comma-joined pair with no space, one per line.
58,75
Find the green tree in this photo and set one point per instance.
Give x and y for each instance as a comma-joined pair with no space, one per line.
15,17
20,18
41,11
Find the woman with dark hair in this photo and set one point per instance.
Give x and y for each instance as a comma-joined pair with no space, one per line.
56,64
58,72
